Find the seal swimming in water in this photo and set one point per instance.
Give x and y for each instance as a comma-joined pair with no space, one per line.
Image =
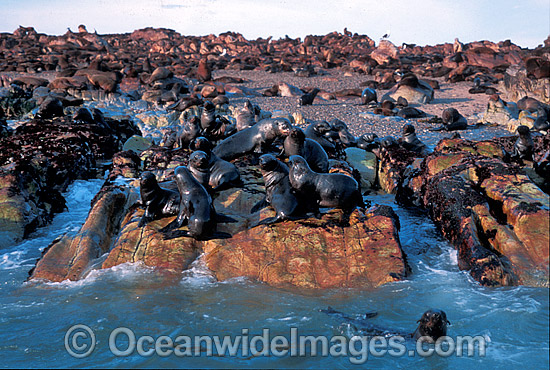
431,326
195,208
257,138
279,193
296,143
158,202
334,190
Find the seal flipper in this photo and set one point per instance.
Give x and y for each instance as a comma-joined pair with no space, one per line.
261,204
223,219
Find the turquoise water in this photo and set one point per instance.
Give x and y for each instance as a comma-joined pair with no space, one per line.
36,316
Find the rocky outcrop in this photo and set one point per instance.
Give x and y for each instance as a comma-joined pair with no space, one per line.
72,256
497,218
40,159
314,253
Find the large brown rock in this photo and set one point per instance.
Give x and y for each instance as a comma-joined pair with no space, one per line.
71,256
497,218
314,253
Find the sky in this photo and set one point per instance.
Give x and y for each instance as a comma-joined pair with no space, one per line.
427,22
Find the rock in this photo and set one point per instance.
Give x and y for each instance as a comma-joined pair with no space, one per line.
421,94
516,85
499,114
365,163
385,52
314,253
497,218
137,144
146,244
71,257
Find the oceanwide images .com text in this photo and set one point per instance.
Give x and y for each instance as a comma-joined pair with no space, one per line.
80,342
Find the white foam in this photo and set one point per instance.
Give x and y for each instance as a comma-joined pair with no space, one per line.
198,274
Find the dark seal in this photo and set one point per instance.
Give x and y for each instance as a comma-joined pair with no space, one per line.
452,120
195,208
523,147
158,202
222,174
296,143
199,167
257,138
431,326
334,190
410,141
318,131
278,190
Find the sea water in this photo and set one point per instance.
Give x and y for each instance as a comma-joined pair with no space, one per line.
131,299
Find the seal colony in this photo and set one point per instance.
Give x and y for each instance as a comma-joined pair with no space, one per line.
313,125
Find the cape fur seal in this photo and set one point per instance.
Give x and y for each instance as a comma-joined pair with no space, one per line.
431,326
334,190
257,138
158,202
195,208
296,143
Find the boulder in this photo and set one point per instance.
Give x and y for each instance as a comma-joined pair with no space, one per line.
315,253
365,163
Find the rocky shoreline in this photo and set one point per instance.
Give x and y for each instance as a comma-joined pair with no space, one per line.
493,210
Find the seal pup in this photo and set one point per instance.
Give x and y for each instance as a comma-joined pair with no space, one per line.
368,95
158,202
223,174
452,120
333,190
410,141
279,193
431,326
257,138
296,143
307,98
523,147
195,208
318,131
343,133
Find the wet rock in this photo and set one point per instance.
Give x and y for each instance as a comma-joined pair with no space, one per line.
365,163
137,144
314,253
497,218
72,256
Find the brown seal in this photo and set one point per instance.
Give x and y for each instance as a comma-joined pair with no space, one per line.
334,190
195,208
257,138
158,202
296,143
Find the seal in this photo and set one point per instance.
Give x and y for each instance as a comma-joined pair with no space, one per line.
523,147
215,127
431,326
223,174
318,131
257,138
343,133
368,95
307,99
278,190
452,120
245,117
199,167
333,190
368,141
296,143
541,123
158,202
410,141
195,208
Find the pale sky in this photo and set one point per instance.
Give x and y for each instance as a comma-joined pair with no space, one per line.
525,22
